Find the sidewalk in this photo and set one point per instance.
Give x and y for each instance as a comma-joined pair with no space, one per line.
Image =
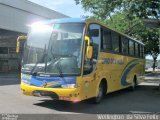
152,79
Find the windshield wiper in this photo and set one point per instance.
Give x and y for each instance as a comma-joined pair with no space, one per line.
43,57
60,70
58,63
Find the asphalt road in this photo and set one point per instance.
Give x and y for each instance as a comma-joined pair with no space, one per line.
145,99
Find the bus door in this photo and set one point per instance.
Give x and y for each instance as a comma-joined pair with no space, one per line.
90,65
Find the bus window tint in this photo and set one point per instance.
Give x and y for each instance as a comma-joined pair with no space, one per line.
136,50
95,39
124,45
106,40
143,52
131,47
115,42
140,51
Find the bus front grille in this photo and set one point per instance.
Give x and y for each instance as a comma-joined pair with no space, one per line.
41,93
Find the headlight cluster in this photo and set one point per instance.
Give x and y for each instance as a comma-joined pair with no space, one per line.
69,86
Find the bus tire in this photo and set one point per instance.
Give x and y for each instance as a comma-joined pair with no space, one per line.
134,83
101,93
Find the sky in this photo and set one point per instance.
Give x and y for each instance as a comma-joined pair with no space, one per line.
150,57
67,7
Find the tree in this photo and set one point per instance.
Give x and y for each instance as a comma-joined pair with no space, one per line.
121,23
151,39
106,8
126,16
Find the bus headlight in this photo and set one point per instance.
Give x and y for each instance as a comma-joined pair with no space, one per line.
69,86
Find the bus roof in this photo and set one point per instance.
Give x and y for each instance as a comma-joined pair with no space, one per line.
67,20
84,20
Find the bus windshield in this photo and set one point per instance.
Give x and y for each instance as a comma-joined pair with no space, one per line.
54,49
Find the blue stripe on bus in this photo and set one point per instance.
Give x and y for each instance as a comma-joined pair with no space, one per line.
126,71
52,81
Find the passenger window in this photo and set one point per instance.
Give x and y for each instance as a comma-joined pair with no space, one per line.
95,38
124,43
106,39
136,50
115,42
131,47
143,52
140,49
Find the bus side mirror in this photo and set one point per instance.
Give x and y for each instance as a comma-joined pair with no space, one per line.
20,38
89,50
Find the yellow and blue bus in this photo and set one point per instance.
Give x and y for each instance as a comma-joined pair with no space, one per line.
74,59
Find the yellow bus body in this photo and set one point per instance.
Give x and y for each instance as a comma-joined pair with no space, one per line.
88,85
117,70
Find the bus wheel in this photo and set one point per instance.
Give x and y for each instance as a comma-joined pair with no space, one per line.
134,84
100,95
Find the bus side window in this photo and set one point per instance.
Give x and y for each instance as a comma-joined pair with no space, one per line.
95,38
115,42
106,39
142,51
131,48
139,50
136,50
124,44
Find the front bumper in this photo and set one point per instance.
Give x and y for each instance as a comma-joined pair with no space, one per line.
68,94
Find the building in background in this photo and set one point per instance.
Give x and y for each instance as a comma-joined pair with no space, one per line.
15,15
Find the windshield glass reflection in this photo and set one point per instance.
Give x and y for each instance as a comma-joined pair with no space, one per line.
55,49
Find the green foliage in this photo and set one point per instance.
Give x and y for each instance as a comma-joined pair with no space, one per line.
145,8
126,16
151,39
121,23
105,8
